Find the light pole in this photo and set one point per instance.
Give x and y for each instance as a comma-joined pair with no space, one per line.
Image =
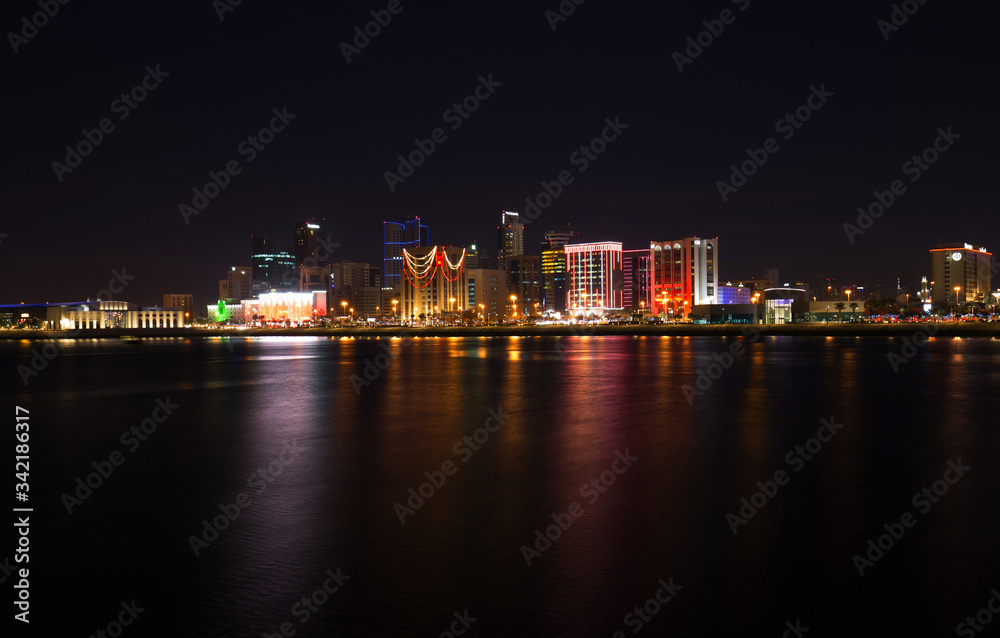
451,308
394,302
343,304
482,313
513,305
352,315
957,288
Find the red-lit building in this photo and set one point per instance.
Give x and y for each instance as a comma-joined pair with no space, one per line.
683,273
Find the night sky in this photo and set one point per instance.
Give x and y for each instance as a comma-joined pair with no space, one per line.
60,240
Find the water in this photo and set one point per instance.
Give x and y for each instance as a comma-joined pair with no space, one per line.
567,407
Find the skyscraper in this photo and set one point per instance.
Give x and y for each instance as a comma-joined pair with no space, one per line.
554,268
271,269
397,237
684,273
510,238
309,243
525,276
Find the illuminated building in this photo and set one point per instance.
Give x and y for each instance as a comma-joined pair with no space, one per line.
685,273
433,277
397,237
98,315
636,292
293,307
964,266
593,278
525,277
730,294
554,268
782,304
357,283
510,238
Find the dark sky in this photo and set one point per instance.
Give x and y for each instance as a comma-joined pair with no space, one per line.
658,181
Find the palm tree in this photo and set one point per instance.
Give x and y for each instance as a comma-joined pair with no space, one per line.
854,307
840,308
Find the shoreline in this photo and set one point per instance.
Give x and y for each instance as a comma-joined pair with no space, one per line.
971,329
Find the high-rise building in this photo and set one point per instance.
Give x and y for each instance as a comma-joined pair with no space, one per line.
772,275
510,238
554,268
397,237
357,283
636,291
476,259
237,285
684,273
435,283
905,282
270,269
184,302
960,273
524,273
593,278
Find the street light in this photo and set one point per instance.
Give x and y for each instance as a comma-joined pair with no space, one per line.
394,302
513,303
343,304
957,288
482,313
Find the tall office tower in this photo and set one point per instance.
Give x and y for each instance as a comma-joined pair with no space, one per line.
237,285
311,248
684,273
525,275
554,268
397,237
270,269
772,275
510,238
636,292
593,277
960,273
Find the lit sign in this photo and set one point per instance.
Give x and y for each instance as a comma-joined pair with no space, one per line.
957,256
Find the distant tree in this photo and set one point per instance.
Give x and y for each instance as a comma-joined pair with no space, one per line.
840,308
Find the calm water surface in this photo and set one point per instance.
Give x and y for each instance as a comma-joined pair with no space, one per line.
568,406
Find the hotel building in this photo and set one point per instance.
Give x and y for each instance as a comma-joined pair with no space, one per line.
593,278
964,267
684,273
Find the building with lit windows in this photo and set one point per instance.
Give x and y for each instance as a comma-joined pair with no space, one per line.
184,302
684,273
554,268
525,276
740,294
636,291
291,307
435,283
271,269
593,278
309,248
105,315
960,273
237,285
510,238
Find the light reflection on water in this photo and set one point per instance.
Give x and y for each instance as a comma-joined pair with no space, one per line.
572,403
